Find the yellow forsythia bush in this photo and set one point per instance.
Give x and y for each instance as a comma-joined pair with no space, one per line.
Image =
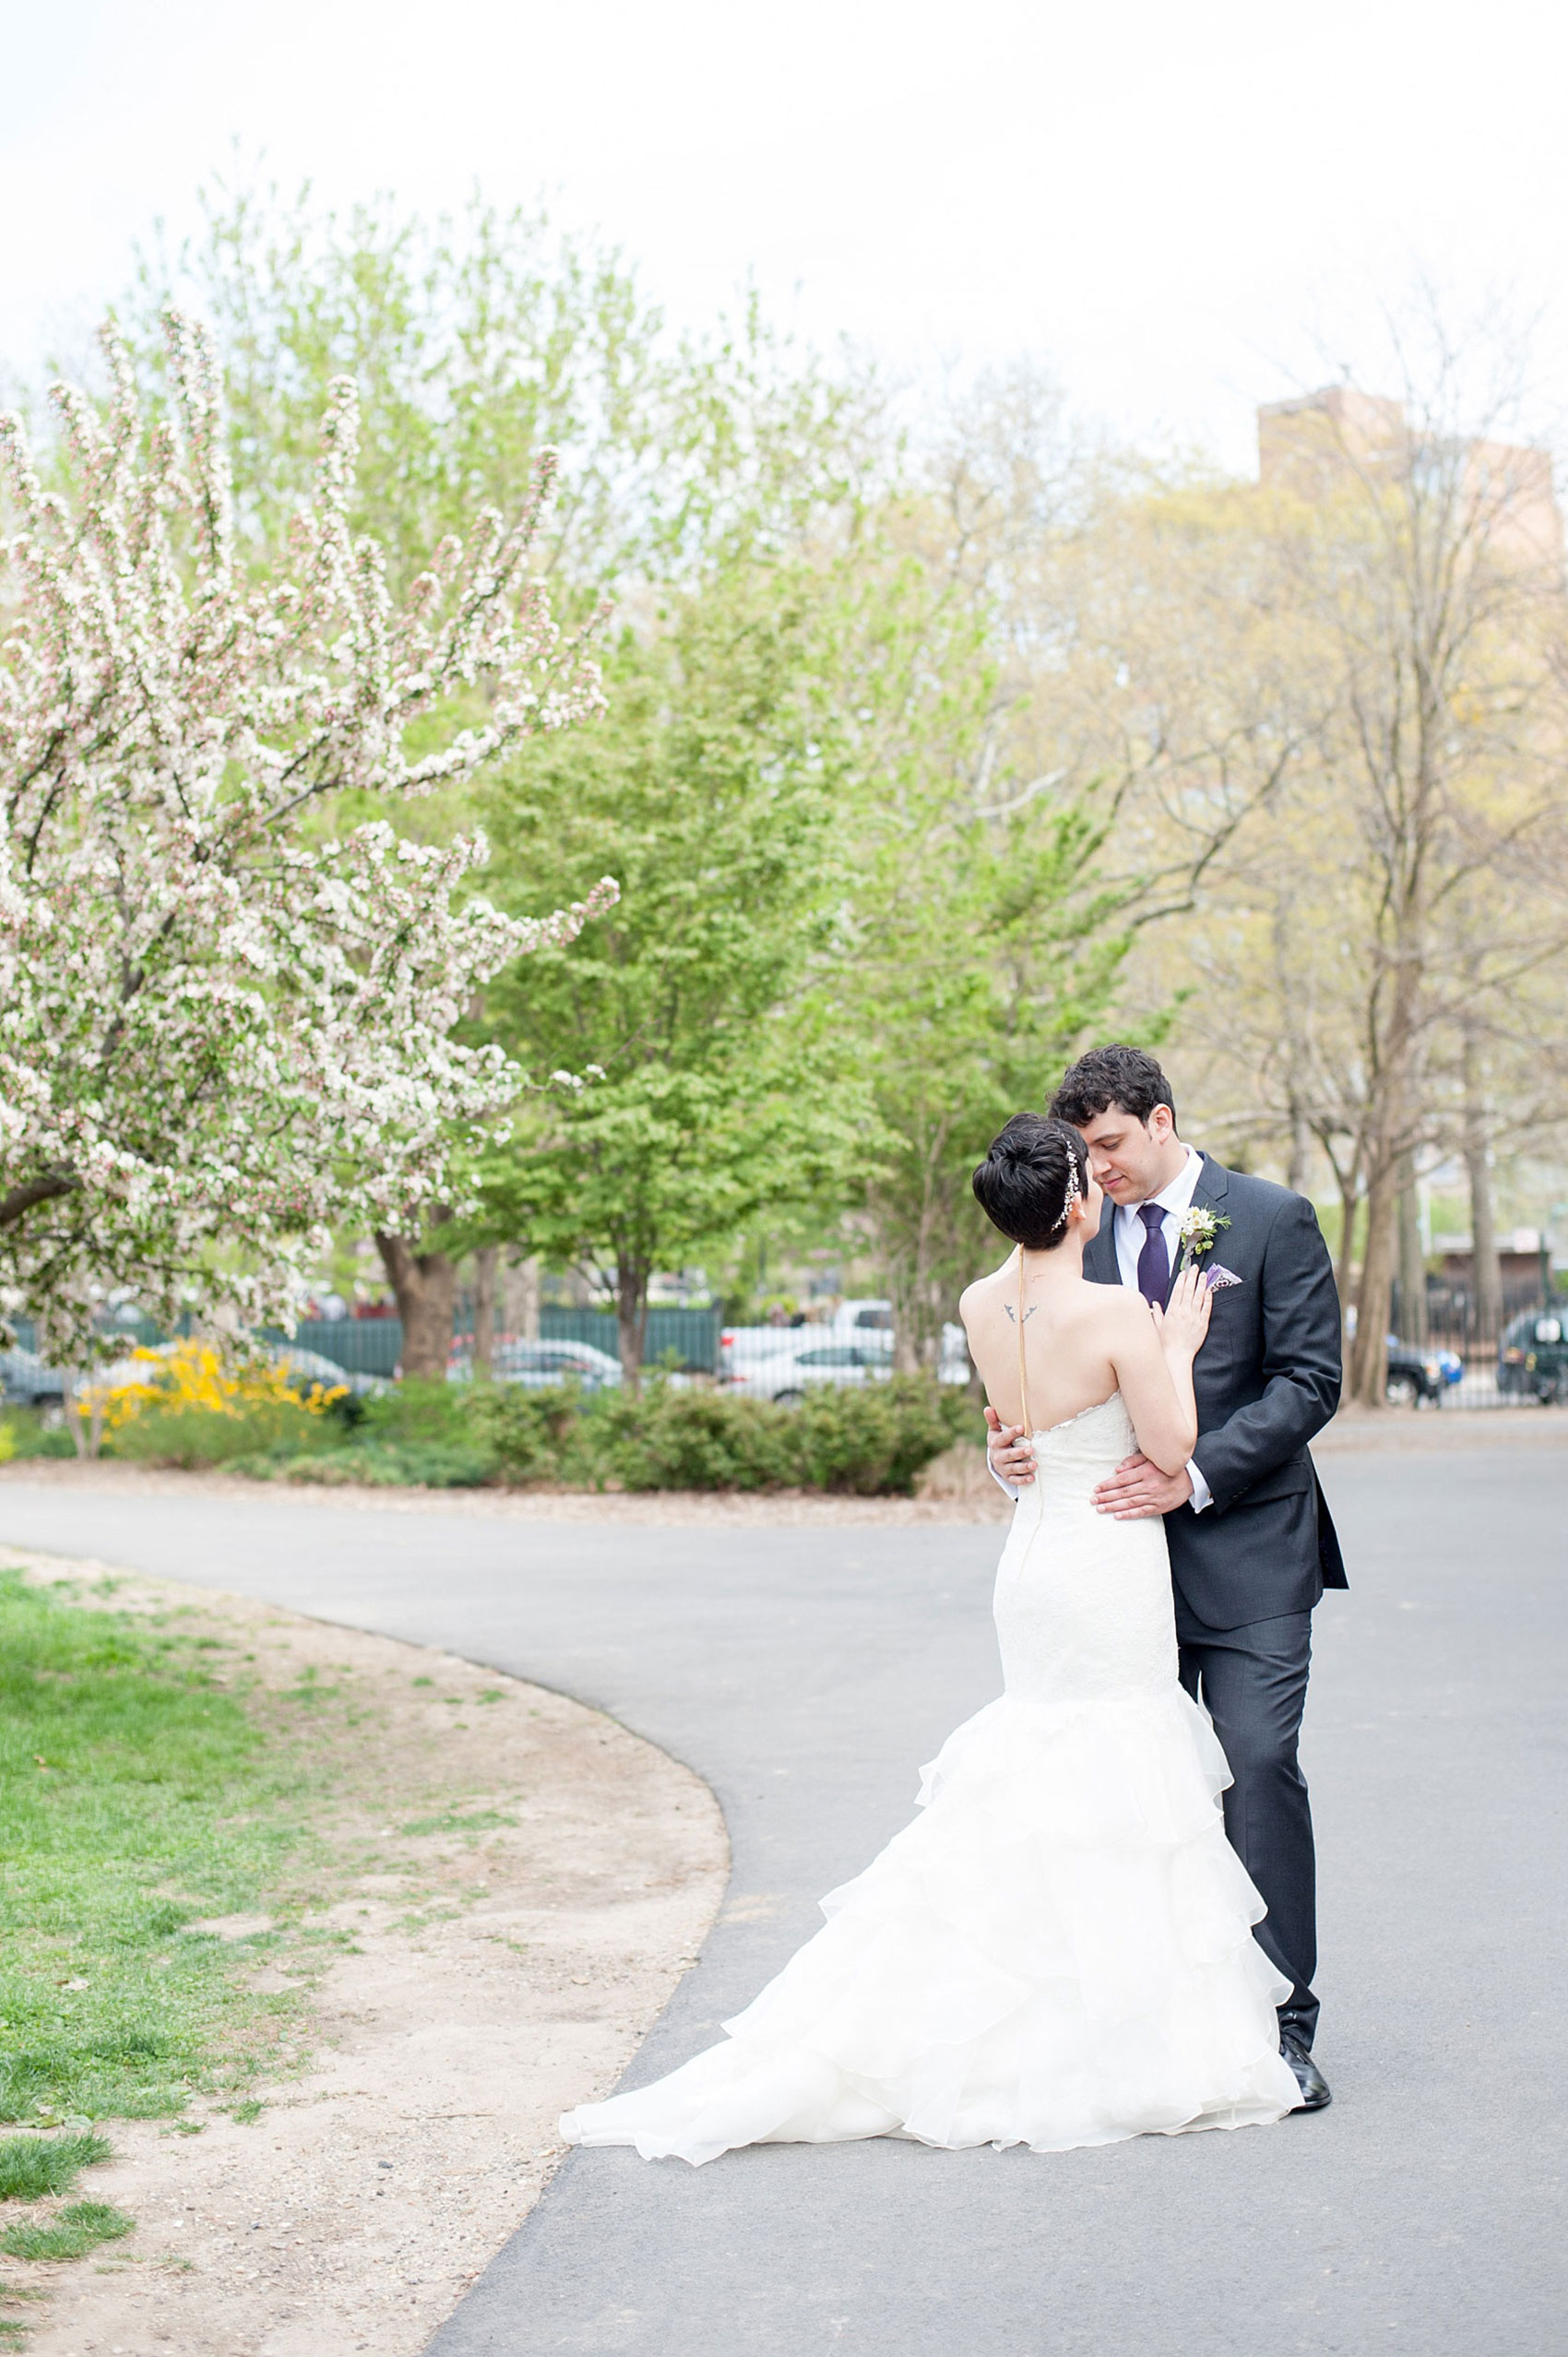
192,1378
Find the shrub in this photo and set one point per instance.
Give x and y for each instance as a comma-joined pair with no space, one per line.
421,1432
186,1405
432,1464
866,1441
528,1436
192,1437
875,1441
691,1440
27,1434
415,1409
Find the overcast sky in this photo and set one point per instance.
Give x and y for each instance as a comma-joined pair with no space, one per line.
1179,208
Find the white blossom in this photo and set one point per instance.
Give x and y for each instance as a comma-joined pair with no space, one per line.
223,1031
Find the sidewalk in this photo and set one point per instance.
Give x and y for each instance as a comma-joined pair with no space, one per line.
1389,1431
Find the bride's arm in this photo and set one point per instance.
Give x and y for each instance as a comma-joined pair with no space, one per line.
1153,1354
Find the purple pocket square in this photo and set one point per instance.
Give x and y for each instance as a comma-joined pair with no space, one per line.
1217,1275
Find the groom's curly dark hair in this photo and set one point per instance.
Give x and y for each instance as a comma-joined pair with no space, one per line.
1130,1077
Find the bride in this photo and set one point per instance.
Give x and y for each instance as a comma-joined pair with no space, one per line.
1058,1951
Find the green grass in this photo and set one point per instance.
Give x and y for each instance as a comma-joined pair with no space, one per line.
32,2166
70,2234
138,1797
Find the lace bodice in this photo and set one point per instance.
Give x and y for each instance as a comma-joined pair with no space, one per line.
1097,1435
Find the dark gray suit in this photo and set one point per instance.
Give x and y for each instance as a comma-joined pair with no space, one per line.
1248,1571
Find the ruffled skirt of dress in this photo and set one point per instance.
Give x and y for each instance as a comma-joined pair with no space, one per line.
1058,1951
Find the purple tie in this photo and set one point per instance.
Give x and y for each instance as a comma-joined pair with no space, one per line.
1154,1261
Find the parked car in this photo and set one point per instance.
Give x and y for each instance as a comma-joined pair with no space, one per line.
870,1323
800,1361
955,1364
536,1366
751,1357
858,1320
1416,1376
26,1382
302,1368
1532,1356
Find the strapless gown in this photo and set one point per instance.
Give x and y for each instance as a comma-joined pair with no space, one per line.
1058,1950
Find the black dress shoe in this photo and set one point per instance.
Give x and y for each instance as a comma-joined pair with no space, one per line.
1309,2078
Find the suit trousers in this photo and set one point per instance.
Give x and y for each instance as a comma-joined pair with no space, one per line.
1253,1681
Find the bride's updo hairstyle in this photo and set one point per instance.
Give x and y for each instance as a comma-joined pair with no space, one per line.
1031,1174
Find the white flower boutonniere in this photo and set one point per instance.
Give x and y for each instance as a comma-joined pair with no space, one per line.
1198,1234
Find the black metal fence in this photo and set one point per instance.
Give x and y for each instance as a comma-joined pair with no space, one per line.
1467,1358
1455,1320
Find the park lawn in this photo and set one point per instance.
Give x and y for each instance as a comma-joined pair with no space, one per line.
143,1792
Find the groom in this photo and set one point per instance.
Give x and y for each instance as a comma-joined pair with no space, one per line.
1252,1545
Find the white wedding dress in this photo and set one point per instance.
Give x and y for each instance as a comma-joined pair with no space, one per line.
1058,1950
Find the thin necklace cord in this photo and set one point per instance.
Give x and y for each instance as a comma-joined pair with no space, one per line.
1023,1383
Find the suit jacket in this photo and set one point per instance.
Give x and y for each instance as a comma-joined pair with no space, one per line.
1266,1380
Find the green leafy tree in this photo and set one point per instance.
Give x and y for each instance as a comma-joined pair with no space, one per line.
476,341
724,1090
688,467
978,946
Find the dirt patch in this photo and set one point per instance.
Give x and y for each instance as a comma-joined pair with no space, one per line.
510,1887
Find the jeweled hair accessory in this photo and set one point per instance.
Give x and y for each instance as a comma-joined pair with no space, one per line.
1073,1191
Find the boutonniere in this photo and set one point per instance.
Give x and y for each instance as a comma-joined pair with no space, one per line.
1198,1234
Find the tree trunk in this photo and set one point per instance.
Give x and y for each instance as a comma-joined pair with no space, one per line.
1486,1283
527,1299
906,1324
1369,1360
518,1286
909,1228
485,1259
86,1428
1412,1265
1349,1186
1298,1168
426,1286
631,1318
1384,1147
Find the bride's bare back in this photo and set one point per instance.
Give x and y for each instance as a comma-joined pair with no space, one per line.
1081,1342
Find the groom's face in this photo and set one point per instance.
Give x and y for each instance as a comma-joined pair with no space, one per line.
1132,1159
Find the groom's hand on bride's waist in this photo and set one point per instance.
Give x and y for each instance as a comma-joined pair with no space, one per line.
1011,1459
1138,1488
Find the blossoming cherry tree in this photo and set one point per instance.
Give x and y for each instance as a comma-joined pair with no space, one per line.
226,1017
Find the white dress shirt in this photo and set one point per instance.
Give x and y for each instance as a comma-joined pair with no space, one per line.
1131,1230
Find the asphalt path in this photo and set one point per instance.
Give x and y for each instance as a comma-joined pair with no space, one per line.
806,1675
